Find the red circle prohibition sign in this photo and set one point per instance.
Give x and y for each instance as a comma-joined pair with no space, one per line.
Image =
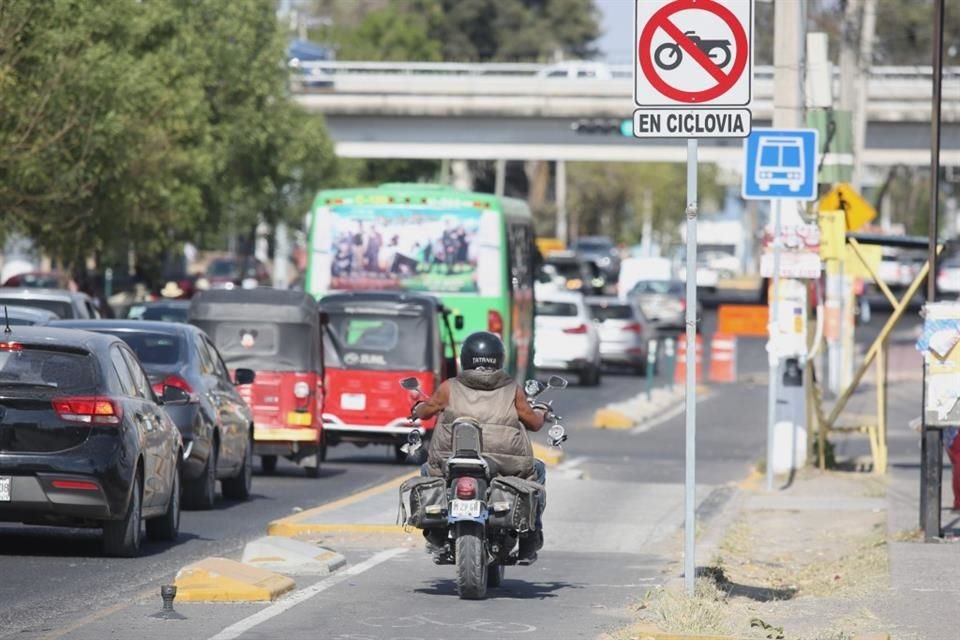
661,20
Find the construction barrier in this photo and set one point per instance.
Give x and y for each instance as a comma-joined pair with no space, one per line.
680,373
723,358
746,320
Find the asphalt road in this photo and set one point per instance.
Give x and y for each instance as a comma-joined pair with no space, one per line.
53,577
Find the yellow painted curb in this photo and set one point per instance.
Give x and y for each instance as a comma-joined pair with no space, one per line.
652,633
551,456
752,481
294,525
295,529
222,580
610,419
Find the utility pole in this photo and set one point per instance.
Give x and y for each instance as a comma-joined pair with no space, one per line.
865,62
563,232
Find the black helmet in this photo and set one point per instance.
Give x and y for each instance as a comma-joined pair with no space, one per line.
481,350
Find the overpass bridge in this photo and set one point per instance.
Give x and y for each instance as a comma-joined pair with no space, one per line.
514,112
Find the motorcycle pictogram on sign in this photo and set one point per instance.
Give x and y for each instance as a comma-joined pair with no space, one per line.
694,53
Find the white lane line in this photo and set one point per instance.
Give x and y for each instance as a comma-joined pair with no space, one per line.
668,415
572,463
239,628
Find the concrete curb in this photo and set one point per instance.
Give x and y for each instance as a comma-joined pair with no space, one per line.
299,529
639,410
223,580
651,632
291,557
551,456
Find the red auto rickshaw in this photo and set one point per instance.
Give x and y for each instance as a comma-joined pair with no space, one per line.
277,334
380,338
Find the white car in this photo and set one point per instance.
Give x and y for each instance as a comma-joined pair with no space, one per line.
576,69
566,337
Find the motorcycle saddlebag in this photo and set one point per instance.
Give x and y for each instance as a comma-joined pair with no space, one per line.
423,503
514,503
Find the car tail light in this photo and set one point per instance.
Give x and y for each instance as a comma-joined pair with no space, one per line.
88,409
683,303
174,381
301,390
466,488
495,322
634,327
11,346
78,485
579,329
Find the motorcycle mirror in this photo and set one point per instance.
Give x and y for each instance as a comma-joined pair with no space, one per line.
556,382
414,442
533,388
557,435
410,384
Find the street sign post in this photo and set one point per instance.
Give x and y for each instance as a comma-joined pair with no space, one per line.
694,58
693,78
780,165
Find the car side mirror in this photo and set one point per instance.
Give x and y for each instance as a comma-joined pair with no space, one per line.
458,322
556,382
450,367
244,376
174,396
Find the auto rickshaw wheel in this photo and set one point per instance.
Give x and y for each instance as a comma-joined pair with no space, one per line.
312,472
268,464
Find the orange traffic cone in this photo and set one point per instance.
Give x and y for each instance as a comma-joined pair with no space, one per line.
723,358
680,375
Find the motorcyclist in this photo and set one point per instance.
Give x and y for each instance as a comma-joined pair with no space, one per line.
485,392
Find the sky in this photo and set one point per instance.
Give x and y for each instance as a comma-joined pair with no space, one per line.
616,43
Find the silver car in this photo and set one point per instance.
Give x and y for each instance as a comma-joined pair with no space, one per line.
625,332
66,304
664,302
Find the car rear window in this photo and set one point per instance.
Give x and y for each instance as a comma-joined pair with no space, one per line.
659,287
153,348
63,371
560,309
165,314
611,312
60,307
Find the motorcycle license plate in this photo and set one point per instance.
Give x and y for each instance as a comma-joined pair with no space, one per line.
5,483
465,508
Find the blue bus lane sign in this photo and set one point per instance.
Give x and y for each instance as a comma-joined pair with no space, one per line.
780,164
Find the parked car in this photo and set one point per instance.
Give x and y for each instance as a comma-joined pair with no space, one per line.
13,316
575,273
66,304
566,337
161,310
215,423
664,302
600,249
84,441
39,280
948,275
625,333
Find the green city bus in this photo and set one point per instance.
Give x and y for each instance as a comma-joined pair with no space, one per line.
474,251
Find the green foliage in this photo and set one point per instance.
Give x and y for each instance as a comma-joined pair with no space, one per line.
137,124
610,198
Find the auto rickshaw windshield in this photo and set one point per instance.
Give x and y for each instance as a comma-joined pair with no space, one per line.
265,346
382,342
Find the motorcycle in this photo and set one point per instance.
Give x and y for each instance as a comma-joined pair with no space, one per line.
474,517
669,55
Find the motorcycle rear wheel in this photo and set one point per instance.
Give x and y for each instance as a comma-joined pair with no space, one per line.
471,565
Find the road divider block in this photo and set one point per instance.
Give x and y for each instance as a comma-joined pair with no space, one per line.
291,557
551,456
223,580
612,419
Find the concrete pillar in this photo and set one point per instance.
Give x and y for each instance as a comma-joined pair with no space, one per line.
501,178
461,177
561,196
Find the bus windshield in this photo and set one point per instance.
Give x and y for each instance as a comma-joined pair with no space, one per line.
429,249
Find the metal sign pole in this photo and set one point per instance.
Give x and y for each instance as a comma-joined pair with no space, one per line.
773,355
690,528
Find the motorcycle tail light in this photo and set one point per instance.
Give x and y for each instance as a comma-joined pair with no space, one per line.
466,488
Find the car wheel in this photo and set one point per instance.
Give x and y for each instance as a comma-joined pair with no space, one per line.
201,493
166,527
590,377
121,538
238,487
268,464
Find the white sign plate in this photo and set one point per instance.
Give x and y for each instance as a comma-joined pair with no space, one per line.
694,53
803,265
692,123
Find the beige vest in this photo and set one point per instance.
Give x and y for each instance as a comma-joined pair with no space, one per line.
503,436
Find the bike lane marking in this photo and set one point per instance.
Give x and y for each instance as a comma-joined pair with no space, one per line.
277,608
661,20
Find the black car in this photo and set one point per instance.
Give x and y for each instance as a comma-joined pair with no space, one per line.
216,424
84,441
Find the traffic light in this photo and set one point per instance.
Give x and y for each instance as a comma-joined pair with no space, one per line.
603,126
